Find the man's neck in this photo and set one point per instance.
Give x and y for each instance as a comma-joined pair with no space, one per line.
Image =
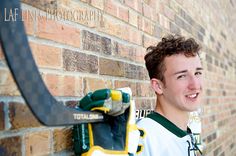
179,118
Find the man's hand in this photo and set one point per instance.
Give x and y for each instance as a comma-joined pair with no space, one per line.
118,134
111,102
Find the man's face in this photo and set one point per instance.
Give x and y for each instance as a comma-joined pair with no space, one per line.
183,82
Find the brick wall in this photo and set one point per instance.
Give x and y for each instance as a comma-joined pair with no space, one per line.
102,45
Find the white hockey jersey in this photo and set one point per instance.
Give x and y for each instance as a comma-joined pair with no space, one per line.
163,138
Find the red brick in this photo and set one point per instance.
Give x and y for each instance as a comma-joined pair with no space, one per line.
147,11
158,31
68,86
140,22
139,7
98,4
131,71
135,72
7,84
134,4
74,61
180,1
169,13
47,56
122,84
160,7
29,21
124,51
133,18
82,14
62,139
148,26
97,43
149,41
53,83
72,86
174,6
78,86
52,30
123,32
86,1
60,85
155,16
115,29
11,146
123,14
21,116
92,84
145,103
144,90
143,74
2,117
164,22
111,67
42,4
37,143
140,53
166,2
174,28
110,7
134,53
153,3
130,3
135,36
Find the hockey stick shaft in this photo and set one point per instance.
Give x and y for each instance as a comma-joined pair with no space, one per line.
20,60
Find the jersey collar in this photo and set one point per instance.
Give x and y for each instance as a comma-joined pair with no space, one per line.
167,124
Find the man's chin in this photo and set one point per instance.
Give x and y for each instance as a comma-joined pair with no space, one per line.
193,109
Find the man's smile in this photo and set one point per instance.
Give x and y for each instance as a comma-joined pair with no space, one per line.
192,96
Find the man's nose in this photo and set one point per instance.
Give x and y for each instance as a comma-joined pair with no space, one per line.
194,83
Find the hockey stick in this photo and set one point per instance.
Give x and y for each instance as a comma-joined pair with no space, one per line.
19,58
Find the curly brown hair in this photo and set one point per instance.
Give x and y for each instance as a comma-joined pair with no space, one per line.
169,45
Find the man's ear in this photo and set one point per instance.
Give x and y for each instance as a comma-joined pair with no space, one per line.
157,85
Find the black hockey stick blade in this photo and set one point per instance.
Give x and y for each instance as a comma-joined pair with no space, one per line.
20,60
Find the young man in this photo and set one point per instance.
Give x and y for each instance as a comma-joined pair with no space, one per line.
175,71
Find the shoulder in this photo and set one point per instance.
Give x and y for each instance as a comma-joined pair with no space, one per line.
144,121
148,124
151,138
154,129
149,127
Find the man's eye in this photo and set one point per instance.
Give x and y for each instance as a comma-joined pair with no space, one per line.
198,73
181,76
